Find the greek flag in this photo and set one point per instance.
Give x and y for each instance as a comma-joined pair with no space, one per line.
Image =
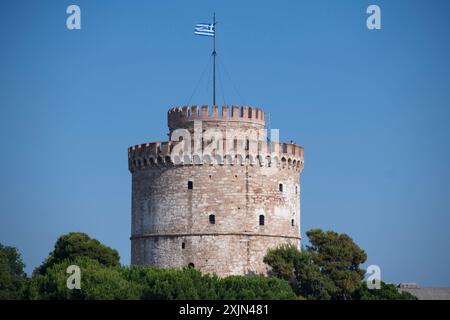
204,29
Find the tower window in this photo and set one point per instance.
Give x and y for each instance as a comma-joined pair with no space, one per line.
296,189
261,220
190,185
292,222
280,187
183,245
212,219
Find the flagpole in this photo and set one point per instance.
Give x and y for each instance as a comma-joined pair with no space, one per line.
214,60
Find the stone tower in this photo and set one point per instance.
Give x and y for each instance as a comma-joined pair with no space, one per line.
217,195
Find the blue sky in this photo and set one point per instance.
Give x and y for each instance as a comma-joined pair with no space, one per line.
371,108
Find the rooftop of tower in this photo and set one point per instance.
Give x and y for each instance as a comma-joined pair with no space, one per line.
179,115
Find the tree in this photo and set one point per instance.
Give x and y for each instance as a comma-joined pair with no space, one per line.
327,269
98,282
191,284
12,276
254,288
74,245
386,292
103,278
339,260
171,284
299,269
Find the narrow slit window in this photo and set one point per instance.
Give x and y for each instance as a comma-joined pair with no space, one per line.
261,220
212,219
183,245
280,187
190,185
292,222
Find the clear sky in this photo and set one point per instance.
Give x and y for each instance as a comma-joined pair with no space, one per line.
371,108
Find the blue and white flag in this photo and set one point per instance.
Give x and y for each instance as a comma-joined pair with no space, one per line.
205,29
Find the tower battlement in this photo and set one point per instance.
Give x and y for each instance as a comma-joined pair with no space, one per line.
284,155
179,117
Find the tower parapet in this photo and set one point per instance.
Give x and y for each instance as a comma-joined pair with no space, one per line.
284,155
183,117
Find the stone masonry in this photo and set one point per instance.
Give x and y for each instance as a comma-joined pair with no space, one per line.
221,213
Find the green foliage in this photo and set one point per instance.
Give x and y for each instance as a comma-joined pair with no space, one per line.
327,269
102,278
12,277
339,260
170,284
139,282
298,268
386,292
254,288
98,282
74,245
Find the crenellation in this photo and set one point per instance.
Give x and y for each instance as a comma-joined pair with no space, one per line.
291,154
224,112
205,112
235,112
185,112
194,112
215,113
245,113
179,117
